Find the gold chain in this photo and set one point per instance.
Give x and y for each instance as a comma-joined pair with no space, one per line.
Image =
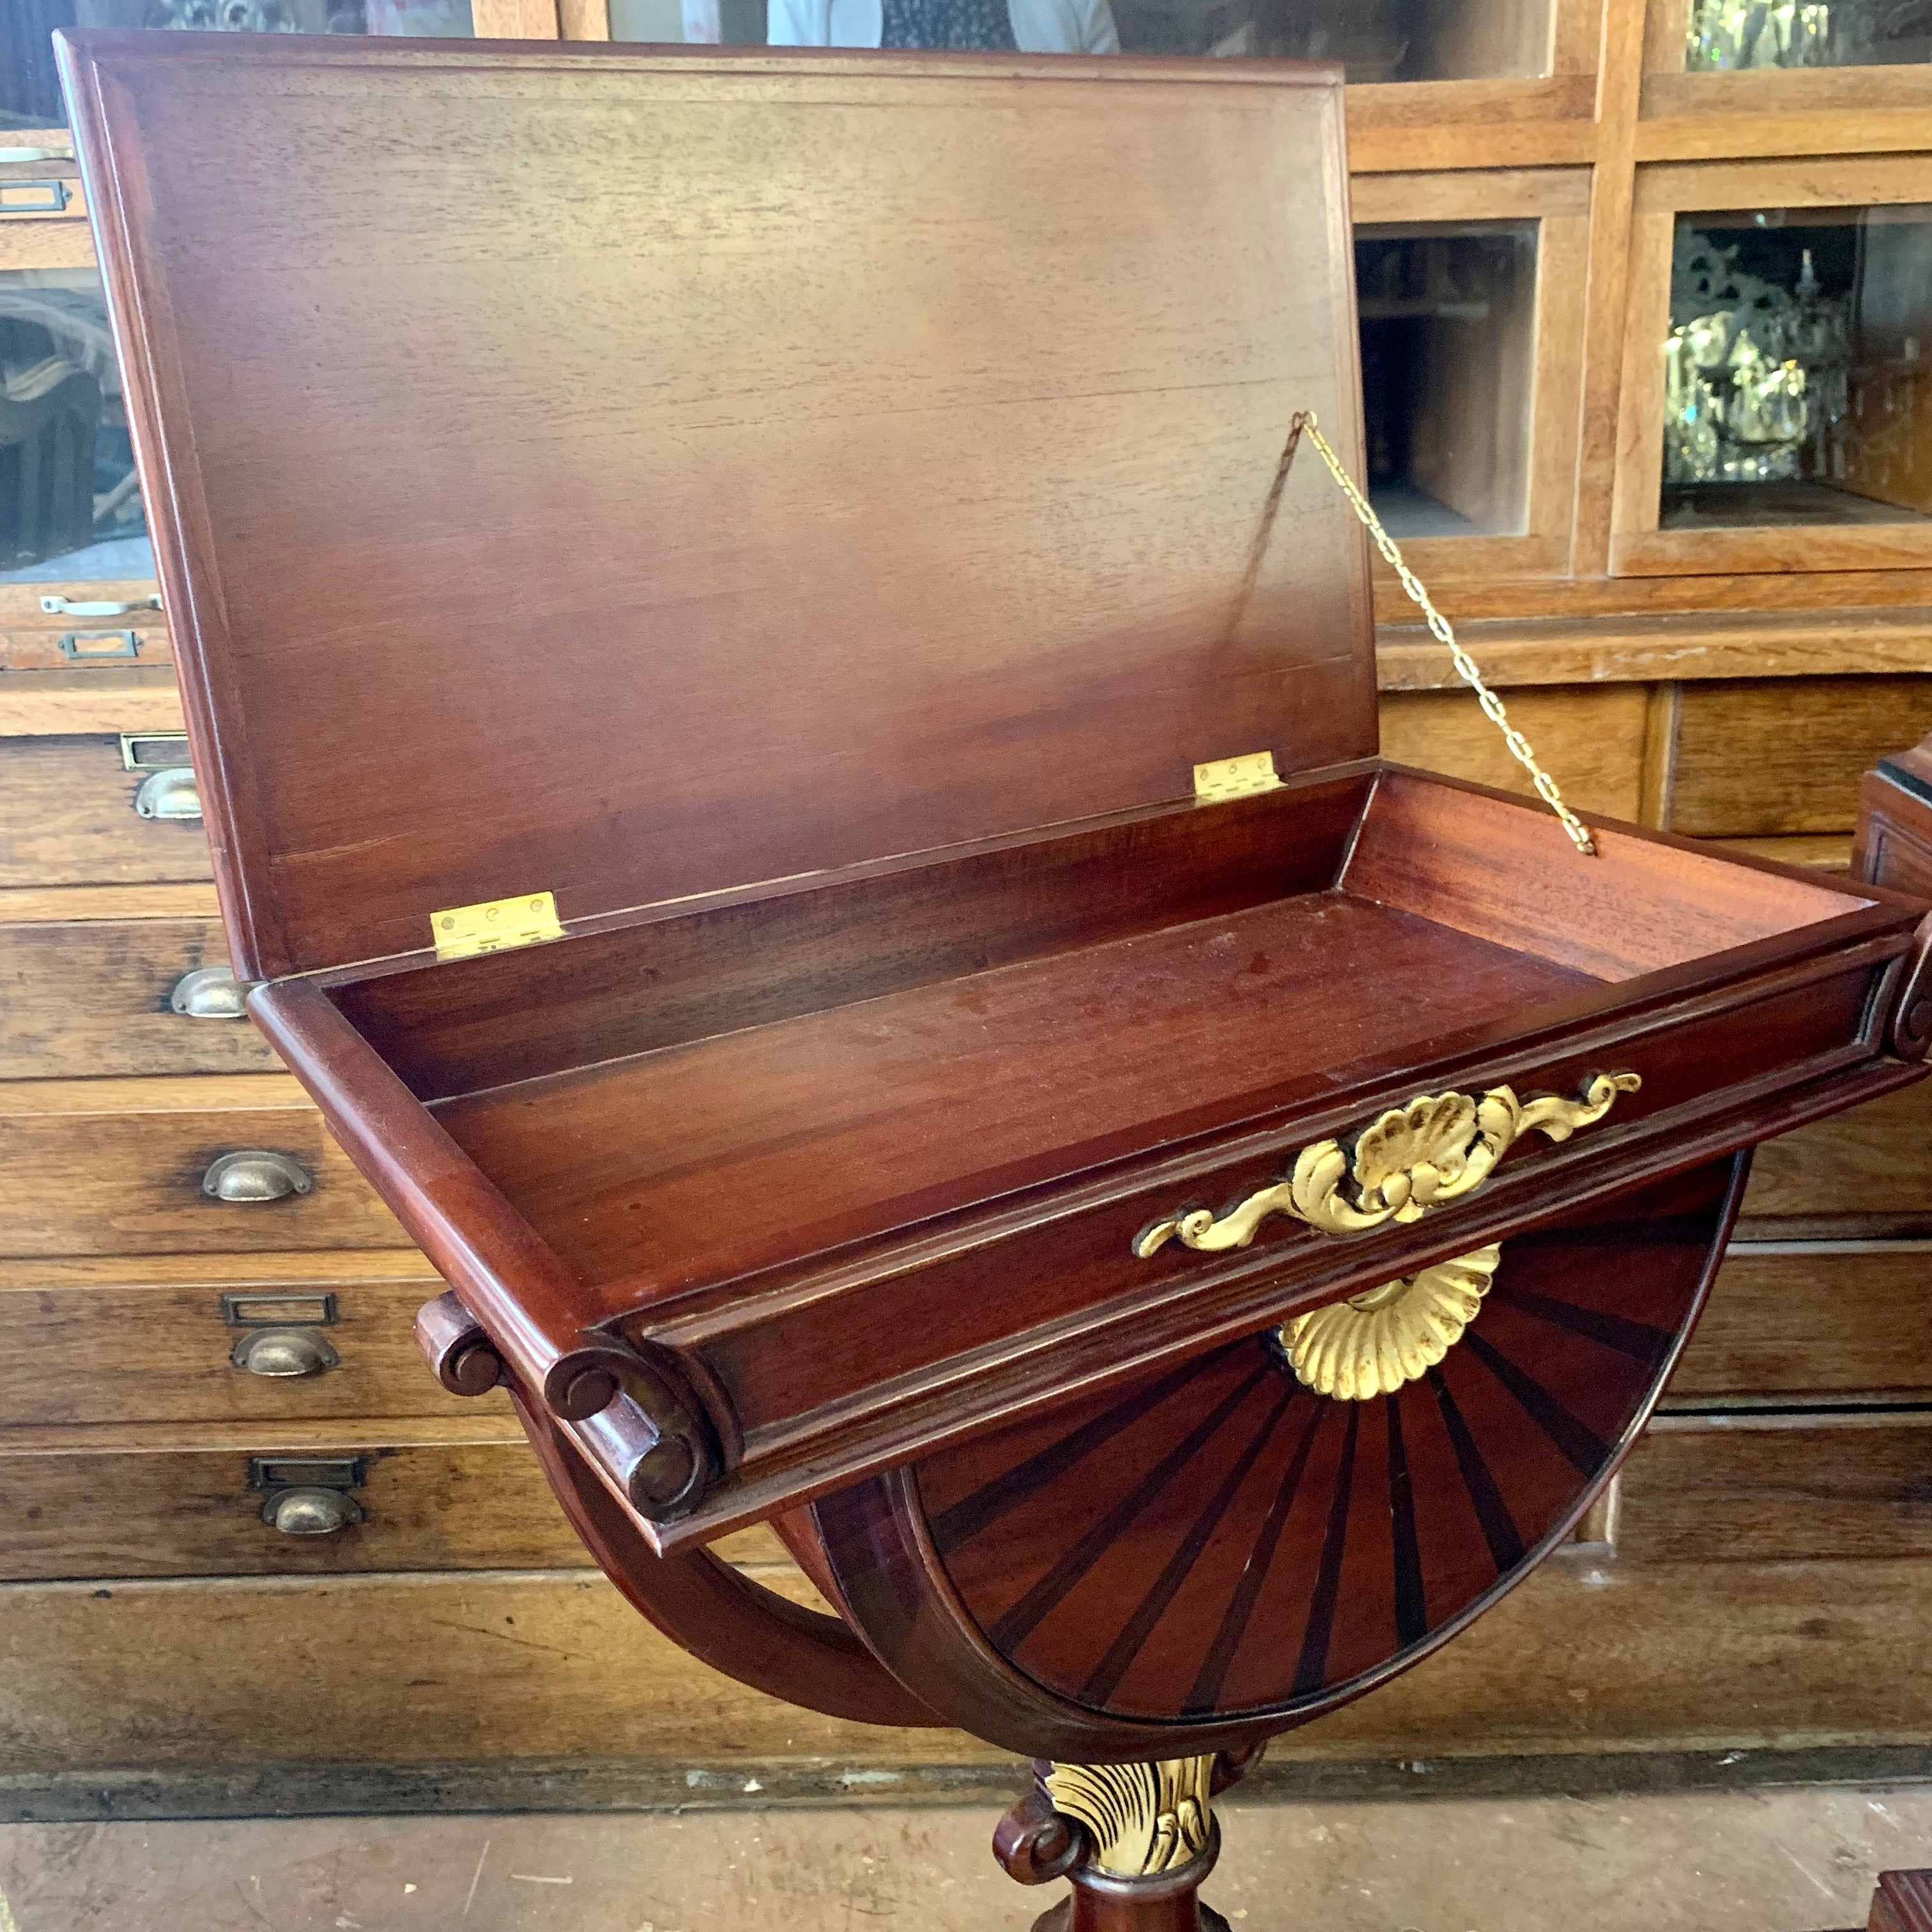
1439,629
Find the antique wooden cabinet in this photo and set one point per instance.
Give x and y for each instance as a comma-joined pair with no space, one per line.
1778,1484
822,1130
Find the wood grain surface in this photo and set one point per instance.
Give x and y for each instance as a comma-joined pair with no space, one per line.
1101,531
386,1669
166,1500
67,818
1871,1161
1785,754
130,1348
86,997
1719,1490
1791,1321
116,1167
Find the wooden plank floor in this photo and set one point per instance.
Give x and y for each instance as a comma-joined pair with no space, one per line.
1784,1860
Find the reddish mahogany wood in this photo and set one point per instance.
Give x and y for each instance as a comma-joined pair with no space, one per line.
1902,1903
679,975
715,1612
817,547
1894,845
670,1170
1169,1904
790,1227
1220,1552
862,457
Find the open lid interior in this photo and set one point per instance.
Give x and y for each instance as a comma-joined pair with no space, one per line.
636,475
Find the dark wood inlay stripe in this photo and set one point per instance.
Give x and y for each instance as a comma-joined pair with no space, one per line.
1499,1531
1107,1674
1586,1451
972,1514
1411,1603
1206,1693
1011,1629
1311,1668
1637,1340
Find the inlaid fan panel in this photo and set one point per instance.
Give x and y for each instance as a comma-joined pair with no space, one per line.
1224,1540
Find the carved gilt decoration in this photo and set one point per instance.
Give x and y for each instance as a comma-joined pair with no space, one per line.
1372,1343
1437,1148
1142,1819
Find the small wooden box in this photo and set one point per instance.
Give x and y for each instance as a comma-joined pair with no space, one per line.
781,536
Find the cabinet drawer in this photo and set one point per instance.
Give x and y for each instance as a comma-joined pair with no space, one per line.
68,817
1852,1319
1763,755
81,997
202,1351
100,1167
1872,1161
1591,735
1737,1489
128,1503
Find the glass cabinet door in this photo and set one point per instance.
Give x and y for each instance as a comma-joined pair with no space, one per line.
1375,39
1797,369
30,96
1469,292
69,506
1447,321
1744,36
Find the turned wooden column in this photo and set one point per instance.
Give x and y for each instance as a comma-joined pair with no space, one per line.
1136,1841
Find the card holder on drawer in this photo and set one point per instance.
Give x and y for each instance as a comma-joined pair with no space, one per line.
72,814
221,1166
194,1340
131,1502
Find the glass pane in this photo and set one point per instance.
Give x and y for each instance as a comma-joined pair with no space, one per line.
1798,356
30,94
1375,39
1725,35
1448,321
432,18
70,509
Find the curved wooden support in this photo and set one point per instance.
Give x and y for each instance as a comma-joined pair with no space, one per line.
718,1615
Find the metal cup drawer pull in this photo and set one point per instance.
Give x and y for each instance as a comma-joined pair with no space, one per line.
284,1354
168,790
308,1495
256,1174
168,794
280,1340
208,993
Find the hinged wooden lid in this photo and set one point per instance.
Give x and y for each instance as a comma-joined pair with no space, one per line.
628,476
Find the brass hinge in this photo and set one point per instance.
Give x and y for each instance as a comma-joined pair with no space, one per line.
494,926
1234,777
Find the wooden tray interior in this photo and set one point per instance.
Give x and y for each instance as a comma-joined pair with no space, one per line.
682,1098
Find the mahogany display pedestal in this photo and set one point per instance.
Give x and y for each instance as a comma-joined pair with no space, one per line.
1169,1904
791,760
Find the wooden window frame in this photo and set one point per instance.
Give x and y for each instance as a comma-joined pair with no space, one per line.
1557,200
